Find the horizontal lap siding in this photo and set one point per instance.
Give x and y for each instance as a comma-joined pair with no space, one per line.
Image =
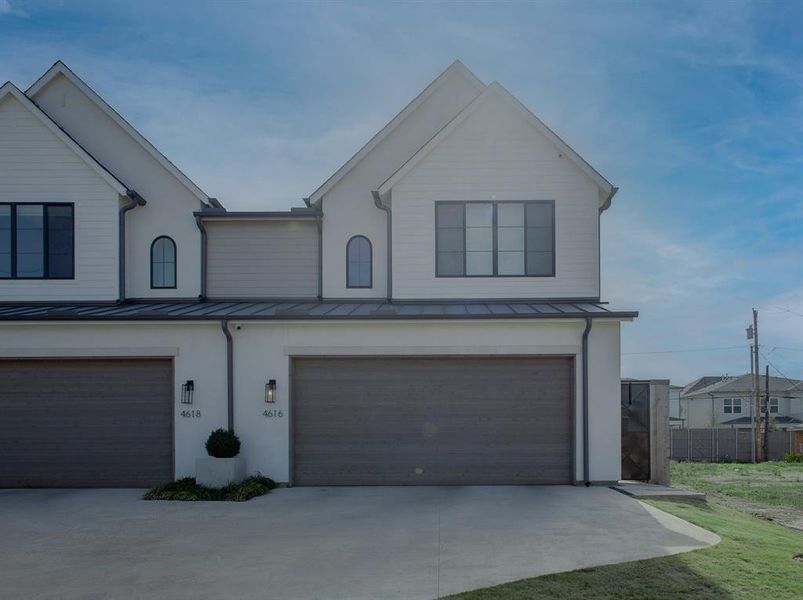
495,155
459,420
86,423
262,259
36,166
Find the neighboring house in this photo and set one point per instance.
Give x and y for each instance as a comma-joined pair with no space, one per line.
431,316
730,401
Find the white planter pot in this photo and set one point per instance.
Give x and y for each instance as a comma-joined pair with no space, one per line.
219,472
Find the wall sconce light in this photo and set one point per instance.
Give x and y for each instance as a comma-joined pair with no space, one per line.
187,389
270,391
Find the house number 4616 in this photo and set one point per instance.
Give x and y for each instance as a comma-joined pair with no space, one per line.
273,413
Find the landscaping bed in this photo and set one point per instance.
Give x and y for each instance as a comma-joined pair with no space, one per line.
187,490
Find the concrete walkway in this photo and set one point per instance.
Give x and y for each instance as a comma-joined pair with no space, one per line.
323,543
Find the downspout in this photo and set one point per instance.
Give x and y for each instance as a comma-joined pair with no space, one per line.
319,223
586,331
224,324
134,200
202,228
380,206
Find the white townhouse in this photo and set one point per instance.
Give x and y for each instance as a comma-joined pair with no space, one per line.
432,315
729,402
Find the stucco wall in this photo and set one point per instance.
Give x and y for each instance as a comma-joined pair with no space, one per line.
262,351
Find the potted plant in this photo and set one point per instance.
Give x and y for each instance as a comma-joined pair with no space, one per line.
223,466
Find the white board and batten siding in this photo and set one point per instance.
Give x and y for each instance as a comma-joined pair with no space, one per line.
495,154
262,259
36,166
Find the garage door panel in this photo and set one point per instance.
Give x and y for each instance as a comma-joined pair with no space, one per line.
438,420
86,422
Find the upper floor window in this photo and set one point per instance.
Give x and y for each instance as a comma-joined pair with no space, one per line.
732,406
37,241
495,239
358,262
773,405
163,263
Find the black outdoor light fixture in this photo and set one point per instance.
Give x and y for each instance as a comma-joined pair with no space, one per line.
187,389
270,391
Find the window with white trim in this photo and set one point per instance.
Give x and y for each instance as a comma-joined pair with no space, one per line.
773,405
732,406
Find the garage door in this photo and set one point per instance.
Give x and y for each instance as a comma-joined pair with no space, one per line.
86,423
425,421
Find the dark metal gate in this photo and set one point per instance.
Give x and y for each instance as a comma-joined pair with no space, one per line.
636,430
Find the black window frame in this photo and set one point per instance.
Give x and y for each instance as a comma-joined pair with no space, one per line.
370,264
45,249
495,226
175,263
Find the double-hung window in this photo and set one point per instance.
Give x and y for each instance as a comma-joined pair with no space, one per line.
773,405
495,239
37,241
732,406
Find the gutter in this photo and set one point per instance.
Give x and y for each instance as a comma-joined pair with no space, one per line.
202,228
380,206
224,325
135,200
586,331
607,203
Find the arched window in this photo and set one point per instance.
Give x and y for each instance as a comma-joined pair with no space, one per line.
163,263
358,262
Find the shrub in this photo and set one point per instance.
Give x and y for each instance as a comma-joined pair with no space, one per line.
186,490
793,457
223,444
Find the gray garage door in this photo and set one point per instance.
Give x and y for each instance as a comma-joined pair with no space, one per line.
86,423
424,421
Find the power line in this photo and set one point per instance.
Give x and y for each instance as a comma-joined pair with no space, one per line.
685,350
795,385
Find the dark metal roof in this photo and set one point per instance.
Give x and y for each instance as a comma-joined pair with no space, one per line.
290,310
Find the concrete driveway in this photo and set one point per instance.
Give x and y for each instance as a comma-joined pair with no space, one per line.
327,543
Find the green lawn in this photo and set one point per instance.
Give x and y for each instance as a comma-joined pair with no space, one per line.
771,484
756,559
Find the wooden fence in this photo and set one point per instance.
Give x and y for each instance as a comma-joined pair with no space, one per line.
725,445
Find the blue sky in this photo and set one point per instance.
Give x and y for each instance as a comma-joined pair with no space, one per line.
694,109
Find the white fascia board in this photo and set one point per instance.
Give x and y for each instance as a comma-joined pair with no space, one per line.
59,68
455,68
607,190
12,90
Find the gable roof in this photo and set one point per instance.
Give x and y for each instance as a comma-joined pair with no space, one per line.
496,90
9,89
456,68
743,384
702,382
59,68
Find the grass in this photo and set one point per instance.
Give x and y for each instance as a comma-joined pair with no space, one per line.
187,490
756,559
769,484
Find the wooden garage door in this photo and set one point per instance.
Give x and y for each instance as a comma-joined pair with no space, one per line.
86,423
425,421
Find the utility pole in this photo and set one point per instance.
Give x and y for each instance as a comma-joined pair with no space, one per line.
765,442
757,386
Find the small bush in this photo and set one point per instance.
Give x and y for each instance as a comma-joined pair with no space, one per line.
223,444
793,457
186,490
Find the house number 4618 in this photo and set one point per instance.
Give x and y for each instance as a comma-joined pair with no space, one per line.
273,413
